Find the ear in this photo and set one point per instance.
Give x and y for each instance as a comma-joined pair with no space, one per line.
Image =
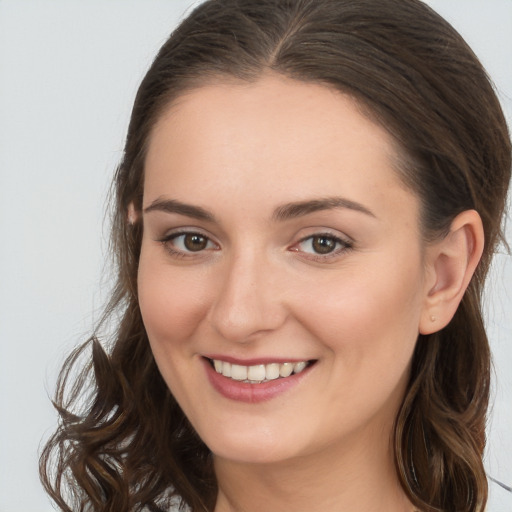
450,263
132,214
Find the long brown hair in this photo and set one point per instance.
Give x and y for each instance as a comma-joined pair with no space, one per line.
123,443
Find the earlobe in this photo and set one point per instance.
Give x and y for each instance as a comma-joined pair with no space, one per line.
451,264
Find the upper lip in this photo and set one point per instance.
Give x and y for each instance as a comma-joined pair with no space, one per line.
256,360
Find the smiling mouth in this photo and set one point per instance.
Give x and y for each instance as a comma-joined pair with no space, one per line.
259,373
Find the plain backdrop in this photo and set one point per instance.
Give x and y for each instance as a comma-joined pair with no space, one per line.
69,70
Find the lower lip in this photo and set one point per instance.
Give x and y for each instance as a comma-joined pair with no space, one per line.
252,393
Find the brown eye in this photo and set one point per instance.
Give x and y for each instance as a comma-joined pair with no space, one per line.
195,242
187,243
323,244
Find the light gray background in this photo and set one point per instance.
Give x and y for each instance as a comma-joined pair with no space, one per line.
69,70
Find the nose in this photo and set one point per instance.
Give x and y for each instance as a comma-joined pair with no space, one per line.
249,302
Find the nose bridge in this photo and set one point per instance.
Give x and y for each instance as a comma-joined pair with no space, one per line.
247,302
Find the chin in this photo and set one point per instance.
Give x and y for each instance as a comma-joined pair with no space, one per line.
250,449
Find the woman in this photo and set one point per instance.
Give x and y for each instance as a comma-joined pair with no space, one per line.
308,203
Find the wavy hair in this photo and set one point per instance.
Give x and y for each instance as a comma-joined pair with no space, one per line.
123,443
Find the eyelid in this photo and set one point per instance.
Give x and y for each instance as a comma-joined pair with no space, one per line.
176,233
346,242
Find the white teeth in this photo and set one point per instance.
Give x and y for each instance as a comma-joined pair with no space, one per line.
286,369
226,369
272,371
298,367
259,372
238,372
256,372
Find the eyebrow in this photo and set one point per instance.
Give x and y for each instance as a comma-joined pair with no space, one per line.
301,208
281,213
173,206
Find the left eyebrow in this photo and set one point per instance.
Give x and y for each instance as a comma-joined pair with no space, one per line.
301,208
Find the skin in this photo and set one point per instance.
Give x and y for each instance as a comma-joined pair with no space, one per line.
259,290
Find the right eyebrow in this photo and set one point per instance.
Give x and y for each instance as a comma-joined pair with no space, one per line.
173,206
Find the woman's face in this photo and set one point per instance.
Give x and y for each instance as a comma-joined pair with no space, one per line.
277,238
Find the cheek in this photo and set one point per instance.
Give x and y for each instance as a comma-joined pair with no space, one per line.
172,302
369,326
371,315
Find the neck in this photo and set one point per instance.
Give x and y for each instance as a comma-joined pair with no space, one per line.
358,476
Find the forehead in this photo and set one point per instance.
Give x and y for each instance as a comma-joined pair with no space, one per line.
260,104
276,139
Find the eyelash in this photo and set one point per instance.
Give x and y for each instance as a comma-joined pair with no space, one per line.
168,240
346,245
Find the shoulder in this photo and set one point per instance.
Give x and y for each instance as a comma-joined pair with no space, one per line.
500,497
